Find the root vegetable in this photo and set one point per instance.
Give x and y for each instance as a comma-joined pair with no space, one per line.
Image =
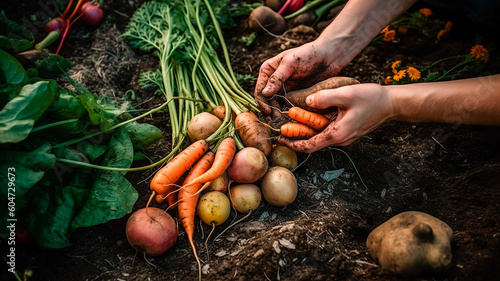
220,184
214,208
248,166
298,97
151,231
220,112
284,157
202,126
279,186
275,5
253,132
245,197
411,243
264,18
91,14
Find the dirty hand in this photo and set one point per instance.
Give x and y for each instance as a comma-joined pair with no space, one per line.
361,109
302,66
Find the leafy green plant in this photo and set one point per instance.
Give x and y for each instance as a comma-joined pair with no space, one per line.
64,153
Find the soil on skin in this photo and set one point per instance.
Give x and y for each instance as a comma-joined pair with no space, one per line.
450,171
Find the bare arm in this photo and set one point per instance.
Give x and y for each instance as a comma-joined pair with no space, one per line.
364,107
356,25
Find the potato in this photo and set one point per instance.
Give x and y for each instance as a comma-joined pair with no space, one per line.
284,157
253,132
411,243
245,197
214,208
202,125
220,112
279,186
298,97
264,17
248,165
220,184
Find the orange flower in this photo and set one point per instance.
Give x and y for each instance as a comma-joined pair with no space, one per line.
413,73
403,29
399,75
395,65
448,26
441,33
385,30
388,80
480,52
389,35
426,12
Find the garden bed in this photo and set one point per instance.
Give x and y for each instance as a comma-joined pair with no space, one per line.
450,171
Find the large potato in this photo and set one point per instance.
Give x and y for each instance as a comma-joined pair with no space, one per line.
202,125
248,165
279,186
411,243
245,197
284,157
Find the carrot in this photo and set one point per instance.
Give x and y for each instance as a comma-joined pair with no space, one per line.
223,157
296,130
253,132
164,180
188,201
314,120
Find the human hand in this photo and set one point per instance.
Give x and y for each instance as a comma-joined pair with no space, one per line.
304,66
361,109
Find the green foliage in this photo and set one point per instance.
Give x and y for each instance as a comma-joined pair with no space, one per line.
44,127
14,37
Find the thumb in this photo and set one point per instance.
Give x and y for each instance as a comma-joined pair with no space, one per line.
327,98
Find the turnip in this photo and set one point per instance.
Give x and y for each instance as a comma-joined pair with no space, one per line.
151,231
264,18
284,157
220,184
245,197
202,125
248,165
214,208
55,24
279,186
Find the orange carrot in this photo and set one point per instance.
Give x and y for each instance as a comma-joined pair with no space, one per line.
314,120
223,157
296,130
188,199
164,180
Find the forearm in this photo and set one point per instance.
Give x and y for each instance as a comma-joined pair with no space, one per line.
356,25
467,101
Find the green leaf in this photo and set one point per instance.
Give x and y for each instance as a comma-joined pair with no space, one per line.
52,66
19,115
112,196
93,151
29,167
143,135
12,73
101,112
14,36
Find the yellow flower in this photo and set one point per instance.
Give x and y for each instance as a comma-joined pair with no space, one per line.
395,65
389,35
385,30
448,26
413,73
388,80
480,52
399,75
426,12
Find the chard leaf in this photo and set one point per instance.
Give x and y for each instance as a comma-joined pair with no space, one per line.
12,73
101,112
93,151
14,36
112,196
19,115
29,167
143,134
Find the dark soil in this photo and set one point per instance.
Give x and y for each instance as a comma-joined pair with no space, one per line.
451,171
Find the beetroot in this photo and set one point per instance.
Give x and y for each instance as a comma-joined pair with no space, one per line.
151,231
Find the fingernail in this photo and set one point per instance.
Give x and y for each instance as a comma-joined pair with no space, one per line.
309,100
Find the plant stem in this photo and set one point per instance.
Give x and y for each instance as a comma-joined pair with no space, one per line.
46,126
